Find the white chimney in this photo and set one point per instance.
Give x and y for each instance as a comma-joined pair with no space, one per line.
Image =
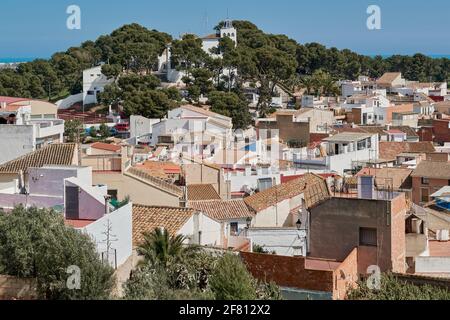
416,226
442,235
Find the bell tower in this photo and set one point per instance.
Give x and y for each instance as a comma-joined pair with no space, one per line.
229,31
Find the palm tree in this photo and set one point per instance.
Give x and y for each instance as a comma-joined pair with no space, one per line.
308,83
159,247
330,88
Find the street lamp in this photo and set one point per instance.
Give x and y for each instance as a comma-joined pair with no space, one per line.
299,224
249,222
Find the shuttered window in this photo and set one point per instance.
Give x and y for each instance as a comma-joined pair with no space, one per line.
368,237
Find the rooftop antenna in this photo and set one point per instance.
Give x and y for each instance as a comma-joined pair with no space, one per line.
206,21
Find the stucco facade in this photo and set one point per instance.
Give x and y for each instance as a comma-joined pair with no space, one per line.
335,230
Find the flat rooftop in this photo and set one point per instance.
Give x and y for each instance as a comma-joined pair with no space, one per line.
348,137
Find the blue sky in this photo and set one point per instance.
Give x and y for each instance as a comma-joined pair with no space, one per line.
30,28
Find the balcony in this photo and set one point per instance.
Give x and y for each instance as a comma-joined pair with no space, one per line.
49,128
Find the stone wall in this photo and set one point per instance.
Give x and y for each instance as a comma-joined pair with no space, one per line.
12,288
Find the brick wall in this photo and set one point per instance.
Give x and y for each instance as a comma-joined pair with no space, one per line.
346,276
441,131
438,156
433,186
288,272
16,288
335,227
426,134
421,280
398,236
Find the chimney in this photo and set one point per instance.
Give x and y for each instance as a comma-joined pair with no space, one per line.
107,199
248,171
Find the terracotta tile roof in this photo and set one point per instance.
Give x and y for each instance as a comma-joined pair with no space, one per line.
410,132
159,169
374,129
204,112
155,181
54,154
395,131
223,209
397,178
211,36
388,77
200,192
78,224
314,187
433,170
148,218
9,100
106,147
390,150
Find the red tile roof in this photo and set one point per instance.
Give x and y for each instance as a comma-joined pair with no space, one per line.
285,179
106,146
54,154
223,209
78,224
390,150
202,192
147,218
10,100
313,187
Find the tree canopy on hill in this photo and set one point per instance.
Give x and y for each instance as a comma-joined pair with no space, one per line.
265,58
131,48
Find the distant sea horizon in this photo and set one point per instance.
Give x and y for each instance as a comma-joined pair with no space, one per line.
22,60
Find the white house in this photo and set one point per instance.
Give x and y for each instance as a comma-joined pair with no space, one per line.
112,235
282,213
94,82
373,108
188,125
234,214
340,152
33,126
198,228
208,42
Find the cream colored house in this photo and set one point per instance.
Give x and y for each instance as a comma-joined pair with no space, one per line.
115,170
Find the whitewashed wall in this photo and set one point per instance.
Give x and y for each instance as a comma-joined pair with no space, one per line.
285,242
122,230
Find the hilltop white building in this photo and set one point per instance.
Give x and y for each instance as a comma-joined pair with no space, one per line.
94,82
209,42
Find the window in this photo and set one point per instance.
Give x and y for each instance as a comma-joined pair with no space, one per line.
368,237
264,184
113,194
90,93
425,195
425,181
234,228
362,145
